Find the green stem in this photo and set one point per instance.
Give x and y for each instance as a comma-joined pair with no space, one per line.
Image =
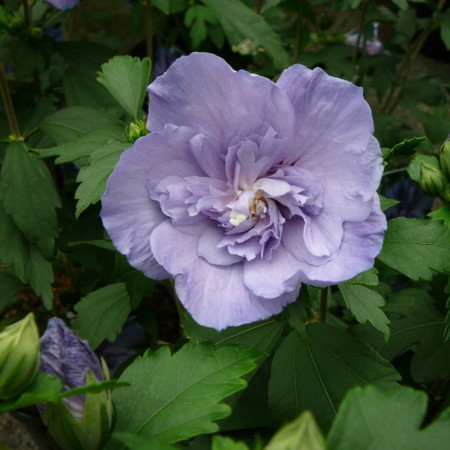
9,107
27,13
149,31
362,20
323,305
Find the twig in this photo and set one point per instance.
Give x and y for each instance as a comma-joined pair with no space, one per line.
9,107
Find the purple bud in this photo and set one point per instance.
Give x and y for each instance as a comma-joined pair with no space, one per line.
63,4
65,355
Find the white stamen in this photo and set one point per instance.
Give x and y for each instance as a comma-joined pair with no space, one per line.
237,218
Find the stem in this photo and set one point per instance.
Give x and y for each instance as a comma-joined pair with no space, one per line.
149,31
393,171
9,107
27,13
362,20
390,101
323,305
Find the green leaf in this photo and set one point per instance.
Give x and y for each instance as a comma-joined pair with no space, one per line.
67,125
316,372
102,313
29,194
416,247
94,175
126,78
444,23
414,166
226,443
240,23
196,18
9,289
24,259
441,214
94,388
175,397
417,325
387,203
406,147
135,442
402,4
365,303
371,418
301,434
162,5
45,388
138,285
82,147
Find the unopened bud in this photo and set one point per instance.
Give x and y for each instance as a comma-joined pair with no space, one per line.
19,357
135,130
444,159
431,180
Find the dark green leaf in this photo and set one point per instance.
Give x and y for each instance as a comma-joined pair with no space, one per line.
126,79
416,247
29,194
94,175
444,22
402,4
316,372
175,397
136,442
67,125
9,289
387,203
371,418
406,147
365,303
240,23
102,313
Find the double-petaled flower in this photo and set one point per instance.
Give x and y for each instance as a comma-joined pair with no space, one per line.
246,188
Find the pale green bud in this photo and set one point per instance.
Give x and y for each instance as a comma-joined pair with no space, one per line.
431,180
135,130
92,431
19,357
444,159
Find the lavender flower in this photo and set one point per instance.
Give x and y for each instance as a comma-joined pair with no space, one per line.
63,4
65,355
246,188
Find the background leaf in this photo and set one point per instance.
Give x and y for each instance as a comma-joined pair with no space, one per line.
315,373
415,247
175,397
126,79
102,313
371,418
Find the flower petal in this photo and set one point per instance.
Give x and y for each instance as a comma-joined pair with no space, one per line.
334,138
203,92
208,248
215,296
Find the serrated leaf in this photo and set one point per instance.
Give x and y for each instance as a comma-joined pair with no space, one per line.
9,289
387,203
406,147
301,434
417,325
82,147
315,373
365,303
441,214
67,125
29,194
24,259
371,418
94,175
240,23
126,78
175,397
416,247
102,313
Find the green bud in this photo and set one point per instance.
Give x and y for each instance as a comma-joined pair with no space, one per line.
431,179
444,158
19,357
92,431
135,130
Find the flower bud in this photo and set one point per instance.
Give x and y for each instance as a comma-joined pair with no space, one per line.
135,130
444,159
431,179
82,421
19,357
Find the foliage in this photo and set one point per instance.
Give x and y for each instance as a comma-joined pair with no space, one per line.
326,372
